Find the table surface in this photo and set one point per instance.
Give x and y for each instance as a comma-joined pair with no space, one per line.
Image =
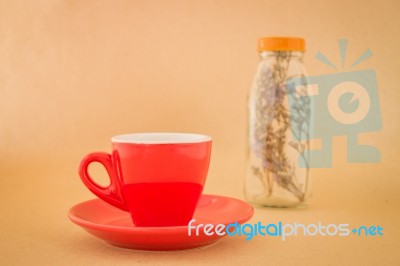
35,230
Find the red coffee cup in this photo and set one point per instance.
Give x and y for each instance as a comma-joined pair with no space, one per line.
157,177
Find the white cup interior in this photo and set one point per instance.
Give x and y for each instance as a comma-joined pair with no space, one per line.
160,138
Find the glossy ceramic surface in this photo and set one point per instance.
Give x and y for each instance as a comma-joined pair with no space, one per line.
115,226
157,177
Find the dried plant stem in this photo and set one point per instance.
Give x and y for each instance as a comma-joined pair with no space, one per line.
277,168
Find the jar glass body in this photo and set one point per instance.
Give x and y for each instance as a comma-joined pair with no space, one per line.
278,172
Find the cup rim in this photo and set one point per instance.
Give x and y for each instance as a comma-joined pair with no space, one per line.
160,138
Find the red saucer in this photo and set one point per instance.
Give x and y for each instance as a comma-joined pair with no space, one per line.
115,226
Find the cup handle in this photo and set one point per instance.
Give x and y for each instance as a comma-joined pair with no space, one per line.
110,194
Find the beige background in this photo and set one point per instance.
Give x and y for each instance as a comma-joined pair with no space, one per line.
74,73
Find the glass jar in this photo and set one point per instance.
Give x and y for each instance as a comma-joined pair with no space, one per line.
279,122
